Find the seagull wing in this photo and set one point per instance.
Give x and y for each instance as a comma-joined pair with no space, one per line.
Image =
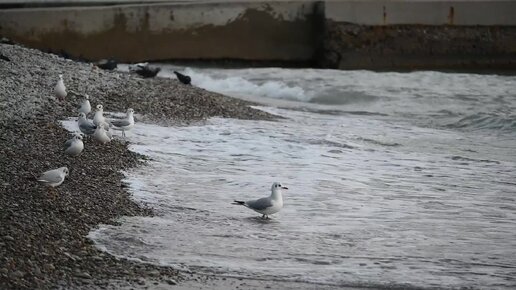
259,204
87,127
52,176
120,123
68,143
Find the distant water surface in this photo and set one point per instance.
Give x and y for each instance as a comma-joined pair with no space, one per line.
396,179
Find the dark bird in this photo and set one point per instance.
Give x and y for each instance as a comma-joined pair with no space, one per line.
107,64
183,78
6,40
3,57
145,70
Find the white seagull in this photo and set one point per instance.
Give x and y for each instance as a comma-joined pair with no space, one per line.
101,135
60,89
53,178
266,205
124,124
85,105
85,125
74,146
99,116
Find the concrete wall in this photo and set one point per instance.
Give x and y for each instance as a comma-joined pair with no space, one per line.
424,12
250,31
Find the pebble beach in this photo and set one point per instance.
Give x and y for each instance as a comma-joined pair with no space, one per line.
43,241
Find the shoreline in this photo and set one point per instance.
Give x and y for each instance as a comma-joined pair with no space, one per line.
43,241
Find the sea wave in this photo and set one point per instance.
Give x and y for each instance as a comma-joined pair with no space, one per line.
281,84
232,85
488,121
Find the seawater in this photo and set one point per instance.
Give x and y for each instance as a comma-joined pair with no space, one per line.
395,180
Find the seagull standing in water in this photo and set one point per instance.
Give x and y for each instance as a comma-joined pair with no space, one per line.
74,146
266,205
124,124
60,89
85,105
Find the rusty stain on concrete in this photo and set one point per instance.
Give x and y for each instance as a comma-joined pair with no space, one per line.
384,15
278,40
451,15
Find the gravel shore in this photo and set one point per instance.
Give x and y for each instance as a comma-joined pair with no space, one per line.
43,240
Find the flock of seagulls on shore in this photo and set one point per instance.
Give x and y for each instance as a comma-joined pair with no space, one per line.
99,129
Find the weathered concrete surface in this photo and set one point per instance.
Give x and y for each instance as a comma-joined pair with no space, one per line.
249,31
423,12
411,47
349,34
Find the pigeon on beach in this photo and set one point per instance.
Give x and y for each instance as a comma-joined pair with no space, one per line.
60,89
124,124
266,205
74,146
53,178
145,70
85,125
85,105
107,64
183,78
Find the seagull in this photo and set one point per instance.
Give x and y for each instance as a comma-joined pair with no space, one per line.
99,119
266,205
107,128
101,134
60,89
124,124
53,178
183,78
85,125
144,70
74,146
85,105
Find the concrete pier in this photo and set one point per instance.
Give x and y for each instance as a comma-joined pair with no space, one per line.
291,31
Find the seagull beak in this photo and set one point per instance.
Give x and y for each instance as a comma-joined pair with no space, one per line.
284,187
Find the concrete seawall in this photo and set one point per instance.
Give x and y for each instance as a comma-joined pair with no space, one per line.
286,31
248,31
